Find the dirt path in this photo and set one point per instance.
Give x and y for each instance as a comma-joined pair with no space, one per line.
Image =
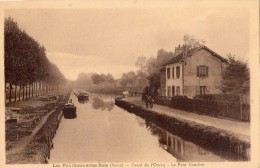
25,141
241,129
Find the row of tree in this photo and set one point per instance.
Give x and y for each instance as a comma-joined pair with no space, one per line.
26,64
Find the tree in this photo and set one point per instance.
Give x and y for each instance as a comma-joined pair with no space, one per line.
191,42
141,63
25,61
154,65
84,79
128,79
98,79
235,75
110,78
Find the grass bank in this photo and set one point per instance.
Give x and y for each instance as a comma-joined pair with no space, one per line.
27,144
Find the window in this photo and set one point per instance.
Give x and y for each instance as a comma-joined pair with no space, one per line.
173,72
202,71
178,72
201,90
173,90
178,91
168,73
169,91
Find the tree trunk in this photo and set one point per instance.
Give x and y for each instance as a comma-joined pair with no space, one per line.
15,90
32,89
19,92
36,89
10,92
23,92
40,87
26,91
29,91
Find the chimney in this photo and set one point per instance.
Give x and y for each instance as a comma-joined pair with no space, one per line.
178,50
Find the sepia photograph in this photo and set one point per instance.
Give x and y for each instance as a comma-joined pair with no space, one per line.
130,84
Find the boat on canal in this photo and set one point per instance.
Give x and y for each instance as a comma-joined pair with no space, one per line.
83,96
69,110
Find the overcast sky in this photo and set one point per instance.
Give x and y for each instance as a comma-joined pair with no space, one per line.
108,40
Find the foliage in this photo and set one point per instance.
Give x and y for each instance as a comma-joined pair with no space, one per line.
97,79
25,59
141,63
128,79
84,79
191,42
154,65
235,76
102,78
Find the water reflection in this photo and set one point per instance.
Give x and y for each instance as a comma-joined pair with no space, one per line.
82,101
70,116
99,103
181,149
102,136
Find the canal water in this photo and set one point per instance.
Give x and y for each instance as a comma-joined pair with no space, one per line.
103,132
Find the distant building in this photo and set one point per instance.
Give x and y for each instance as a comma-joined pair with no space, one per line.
191,72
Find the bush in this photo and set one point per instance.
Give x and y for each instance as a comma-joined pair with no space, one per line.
208,105
219,97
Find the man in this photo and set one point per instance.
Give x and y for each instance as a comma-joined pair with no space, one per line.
149,100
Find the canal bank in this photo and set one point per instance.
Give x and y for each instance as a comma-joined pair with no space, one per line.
35,147
232,145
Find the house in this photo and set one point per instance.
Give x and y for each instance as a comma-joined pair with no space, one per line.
192,72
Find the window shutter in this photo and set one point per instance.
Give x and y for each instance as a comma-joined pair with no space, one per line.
207,69
197,71
172,72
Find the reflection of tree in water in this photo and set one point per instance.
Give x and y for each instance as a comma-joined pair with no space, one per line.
156,131
140,121
100,104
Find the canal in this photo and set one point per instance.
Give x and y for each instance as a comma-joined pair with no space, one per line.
103,132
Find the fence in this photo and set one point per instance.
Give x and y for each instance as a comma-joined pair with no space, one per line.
234,110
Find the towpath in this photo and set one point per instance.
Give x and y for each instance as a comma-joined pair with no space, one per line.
241,129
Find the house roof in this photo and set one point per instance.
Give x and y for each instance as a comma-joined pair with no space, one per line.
190,52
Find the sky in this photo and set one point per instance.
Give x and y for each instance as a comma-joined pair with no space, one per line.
109,40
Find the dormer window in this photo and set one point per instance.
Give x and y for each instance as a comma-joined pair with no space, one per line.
202,71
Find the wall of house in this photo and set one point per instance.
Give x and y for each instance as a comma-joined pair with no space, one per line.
174,81
213,81
163,83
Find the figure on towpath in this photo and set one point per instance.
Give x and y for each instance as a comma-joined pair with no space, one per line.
149,101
